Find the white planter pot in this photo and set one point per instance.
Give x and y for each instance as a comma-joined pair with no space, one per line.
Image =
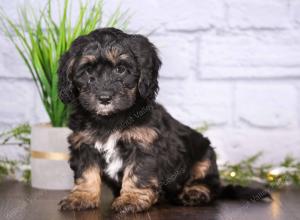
49,158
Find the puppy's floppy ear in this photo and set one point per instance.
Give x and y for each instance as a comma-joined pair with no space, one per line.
66,67
149,64
65,85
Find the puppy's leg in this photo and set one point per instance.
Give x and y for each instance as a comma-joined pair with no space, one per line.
86,192
139,188
203,184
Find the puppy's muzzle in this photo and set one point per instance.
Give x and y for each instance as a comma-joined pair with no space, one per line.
105,97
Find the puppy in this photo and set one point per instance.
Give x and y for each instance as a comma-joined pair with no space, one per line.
122,137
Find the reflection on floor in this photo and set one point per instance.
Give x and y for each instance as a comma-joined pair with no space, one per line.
19,201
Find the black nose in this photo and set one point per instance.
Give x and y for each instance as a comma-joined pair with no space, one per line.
105,97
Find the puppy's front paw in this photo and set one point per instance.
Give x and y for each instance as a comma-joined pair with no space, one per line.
130,203
79,201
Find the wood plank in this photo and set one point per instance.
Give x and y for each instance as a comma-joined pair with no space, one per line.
20,201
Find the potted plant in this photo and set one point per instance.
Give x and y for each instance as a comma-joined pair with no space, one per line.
41,40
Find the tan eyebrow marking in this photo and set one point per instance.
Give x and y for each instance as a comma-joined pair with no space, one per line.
124,56
87,59
114,54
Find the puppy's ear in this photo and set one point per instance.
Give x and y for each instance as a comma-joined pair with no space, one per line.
65,85
66,68
149,64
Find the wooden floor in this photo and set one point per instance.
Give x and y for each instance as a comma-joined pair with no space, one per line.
19,201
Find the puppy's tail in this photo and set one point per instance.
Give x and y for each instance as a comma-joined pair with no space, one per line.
244,193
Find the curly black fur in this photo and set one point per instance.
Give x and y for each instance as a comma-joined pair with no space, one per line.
110,79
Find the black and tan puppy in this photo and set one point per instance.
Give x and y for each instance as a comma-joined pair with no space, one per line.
123,137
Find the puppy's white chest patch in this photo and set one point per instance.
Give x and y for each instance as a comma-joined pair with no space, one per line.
111,155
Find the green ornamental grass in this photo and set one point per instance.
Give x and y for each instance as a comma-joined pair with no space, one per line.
41,40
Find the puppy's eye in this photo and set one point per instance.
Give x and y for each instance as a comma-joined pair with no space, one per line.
91,79
88,70
120,69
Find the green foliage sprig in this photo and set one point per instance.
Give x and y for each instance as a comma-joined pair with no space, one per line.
40,41
21,133
19,136
203,128
276,176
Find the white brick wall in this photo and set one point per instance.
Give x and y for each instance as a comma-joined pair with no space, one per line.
267,54
234,64
258,14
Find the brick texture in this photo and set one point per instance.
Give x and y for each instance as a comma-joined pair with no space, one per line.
244,55
258,14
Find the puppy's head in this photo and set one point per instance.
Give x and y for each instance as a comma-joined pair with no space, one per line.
107,71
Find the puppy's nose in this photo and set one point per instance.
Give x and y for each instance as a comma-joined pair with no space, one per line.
105,97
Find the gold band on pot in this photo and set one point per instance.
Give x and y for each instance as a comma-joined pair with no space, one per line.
49,155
